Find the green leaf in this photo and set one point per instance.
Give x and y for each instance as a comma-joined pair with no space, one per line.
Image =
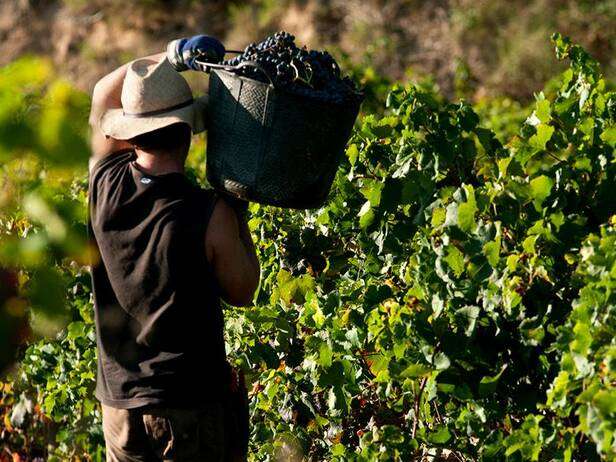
323,218
378,363
466,216
371,190
543,135
487,385
352,154
76,330
411,189
557,395
533,335
440,436
455,260
529,244
503,165
540,188
609,136
491,251
62,124
438,217
467,210
325,355
512,262
338,449
542,110
441,361
605,402
366,215
469,315
333,375
318,317
415,370
467,118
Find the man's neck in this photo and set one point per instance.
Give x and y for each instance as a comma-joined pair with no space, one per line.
158,164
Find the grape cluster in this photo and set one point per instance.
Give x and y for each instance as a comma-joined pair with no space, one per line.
308,73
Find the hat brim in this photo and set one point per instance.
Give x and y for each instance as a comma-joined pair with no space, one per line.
115,124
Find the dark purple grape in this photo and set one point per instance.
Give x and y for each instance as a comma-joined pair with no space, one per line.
306,73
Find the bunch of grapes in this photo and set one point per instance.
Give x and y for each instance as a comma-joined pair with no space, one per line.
308,73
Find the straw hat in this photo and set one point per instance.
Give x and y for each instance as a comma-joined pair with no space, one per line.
154,95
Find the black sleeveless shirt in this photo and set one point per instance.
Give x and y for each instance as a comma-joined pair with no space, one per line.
159,322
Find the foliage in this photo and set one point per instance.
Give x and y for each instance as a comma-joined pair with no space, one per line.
584,386
503,116
43,247
452,300
42,137
421,307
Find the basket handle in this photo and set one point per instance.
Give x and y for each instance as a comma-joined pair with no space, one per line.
205,67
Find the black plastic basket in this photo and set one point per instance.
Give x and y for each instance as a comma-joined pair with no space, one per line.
270,146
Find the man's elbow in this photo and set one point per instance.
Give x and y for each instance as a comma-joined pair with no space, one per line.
100,91
238,300
243,295
97,102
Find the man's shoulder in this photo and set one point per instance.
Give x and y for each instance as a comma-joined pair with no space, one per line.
206,194
199,195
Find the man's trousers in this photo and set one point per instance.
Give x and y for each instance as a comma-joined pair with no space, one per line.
172,435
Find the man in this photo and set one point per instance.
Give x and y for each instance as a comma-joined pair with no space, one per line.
168,252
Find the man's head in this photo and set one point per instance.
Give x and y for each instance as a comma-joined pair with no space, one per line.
172,140
154,97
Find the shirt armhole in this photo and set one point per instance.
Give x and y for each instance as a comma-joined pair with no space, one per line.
107,158
209,210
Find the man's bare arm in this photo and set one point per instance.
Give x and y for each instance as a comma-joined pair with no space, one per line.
106,95
232,254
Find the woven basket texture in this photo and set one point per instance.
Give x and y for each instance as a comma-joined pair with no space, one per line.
272,147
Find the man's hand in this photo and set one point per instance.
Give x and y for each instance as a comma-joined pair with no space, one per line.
181,53
238,205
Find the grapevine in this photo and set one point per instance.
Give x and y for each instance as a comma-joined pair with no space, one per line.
453,300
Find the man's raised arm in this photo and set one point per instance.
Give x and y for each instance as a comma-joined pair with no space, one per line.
106,95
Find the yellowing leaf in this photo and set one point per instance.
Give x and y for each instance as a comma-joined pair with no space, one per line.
438,216
512,262
378,363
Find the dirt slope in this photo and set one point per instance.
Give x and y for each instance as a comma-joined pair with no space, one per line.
503,45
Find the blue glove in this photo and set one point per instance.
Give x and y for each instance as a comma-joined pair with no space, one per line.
181,53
